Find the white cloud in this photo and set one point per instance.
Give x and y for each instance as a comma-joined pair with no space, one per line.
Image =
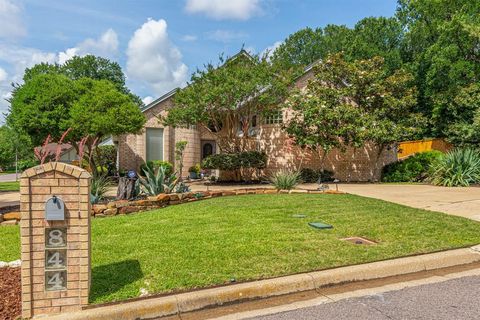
189,37
271,49
147,100
226,35
3,75
153,59
11,23
106,45
225,9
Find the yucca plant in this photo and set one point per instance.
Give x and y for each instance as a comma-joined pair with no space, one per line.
99,187
460,167
156,182
285,180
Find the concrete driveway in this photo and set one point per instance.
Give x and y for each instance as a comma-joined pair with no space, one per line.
463,202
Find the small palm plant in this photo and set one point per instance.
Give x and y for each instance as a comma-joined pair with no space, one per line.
284,180
157,182
460,167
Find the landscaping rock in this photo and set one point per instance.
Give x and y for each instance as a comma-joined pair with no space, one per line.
175,202
240,192
299,191
99,208
15,263
173,197
144,203
162,197
228,193
270,191
128,209
110,212
216,193
100,215
121,203
111,205
9,223
11,216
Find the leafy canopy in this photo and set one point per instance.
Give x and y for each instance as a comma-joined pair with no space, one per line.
223,98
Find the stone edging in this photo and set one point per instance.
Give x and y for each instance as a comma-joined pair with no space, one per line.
191,301
162,200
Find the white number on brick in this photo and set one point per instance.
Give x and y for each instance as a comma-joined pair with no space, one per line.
55,238
55,260
56,280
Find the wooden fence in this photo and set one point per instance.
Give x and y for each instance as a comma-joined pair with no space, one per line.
407,148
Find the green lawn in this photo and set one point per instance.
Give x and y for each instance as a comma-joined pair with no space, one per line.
210,242
9,186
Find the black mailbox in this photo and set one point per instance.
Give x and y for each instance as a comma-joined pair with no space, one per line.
55,209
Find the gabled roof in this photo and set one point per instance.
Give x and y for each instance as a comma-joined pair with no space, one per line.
159,100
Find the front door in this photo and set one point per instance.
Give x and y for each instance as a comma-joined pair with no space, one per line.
208,148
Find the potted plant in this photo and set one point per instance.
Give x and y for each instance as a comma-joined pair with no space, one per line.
194,171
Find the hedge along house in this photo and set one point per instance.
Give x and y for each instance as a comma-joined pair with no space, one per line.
157,142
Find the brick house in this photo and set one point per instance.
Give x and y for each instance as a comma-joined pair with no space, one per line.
157,142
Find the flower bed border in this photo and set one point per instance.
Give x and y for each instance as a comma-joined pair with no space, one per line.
163,200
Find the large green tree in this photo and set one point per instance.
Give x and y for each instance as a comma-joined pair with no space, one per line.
49,104
227,98
351,103
14,146
89,66
442,47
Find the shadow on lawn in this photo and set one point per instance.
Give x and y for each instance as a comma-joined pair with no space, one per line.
110,278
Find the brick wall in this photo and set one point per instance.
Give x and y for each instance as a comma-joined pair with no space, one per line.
71,184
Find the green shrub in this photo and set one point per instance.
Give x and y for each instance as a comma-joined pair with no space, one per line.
155,164
235,161
106,159
460,167
156,181
25,164
309,175
284,180
195,169
412,169
99,187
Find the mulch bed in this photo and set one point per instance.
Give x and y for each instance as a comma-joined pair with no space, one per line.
10,293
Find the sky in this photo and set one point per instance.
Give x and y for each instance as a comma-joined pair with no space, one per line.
158,43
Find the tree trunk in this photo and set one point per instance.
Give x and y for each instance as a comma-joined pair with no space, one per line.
126,189
376,170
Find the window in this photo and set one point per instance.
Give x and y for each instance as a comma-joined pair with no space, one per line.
154,144
274,118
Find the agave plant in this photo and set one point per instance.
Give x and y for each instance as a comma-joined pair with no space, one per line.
156,182
284,180
460,167
99,187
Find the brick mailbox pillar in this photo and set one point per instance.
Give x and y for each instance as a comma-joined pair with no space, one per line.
55,237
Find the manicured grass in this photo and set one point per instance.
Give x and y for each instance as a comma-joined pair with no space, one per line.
9,243
210,242
9,186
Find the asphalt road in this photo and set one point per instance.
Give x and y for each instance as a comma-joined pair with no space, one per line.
456,299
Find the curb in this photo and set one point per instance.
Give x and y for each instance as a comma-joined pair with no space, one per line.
192,301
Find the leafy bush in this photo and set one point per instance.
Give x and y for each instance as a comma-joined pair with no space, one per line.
309,175
99,187
413,169
155,164
195,169
284,180
106,159
235,161
460,167
156,181
25,164
182,188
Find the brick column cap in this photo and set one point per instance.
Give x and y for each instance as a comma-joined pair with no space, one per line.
69,169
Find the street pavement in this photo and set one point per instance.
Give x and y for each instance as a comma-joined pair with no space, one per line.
456,299
9,177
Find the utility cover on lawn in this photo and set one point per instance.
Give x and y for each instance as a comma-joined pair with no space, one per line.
320,225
